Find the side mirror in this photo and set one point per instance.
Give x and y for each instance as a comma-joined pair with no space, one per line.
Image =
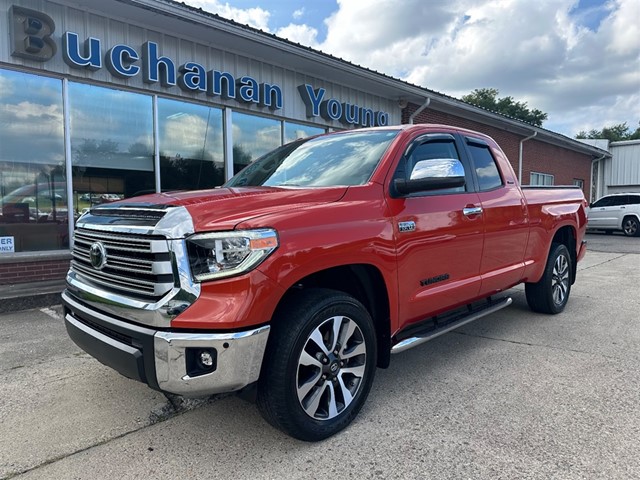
432,174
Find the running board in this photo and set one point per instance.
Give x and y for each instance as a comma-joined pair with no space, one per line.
411,342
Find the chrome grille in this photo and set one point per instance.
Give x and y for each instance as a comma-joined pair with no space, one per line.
137,266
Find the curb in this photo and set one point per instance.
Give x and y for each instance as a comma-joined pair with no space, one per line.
25,296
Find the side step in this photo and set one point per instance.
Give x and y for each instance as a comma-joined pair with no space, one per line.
419,339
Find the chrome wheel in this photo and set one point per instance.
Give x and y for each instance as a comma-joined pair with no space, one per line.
331,368
560,280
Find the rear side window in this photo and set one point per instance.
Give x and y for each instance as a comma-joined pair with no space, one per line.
604,202
634,199
620,200
485,165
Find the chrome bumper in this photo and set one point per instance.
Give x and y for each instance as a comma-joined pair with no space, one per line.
159,358
239,359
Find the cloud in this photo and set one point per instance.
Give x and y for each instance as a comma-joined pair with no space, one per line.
579,64
255,17
26,118
543,52
32,133
189,136
303,34
6,87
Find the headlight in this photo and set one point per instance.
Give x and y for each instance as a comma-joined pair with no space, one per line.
223,254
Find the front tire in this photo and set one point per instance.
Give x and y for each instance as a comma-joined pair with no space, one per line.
631,227
319,364
551,293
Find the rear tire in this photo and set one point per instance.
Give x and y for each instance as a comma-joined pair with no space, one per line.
630,226
551,293
319,364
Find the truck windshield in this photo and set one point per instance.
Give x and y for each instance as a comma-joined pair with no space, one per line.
341,159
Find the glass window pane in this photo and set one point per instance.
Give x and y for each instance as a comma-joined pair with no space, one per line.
540,179
33,187
295,131
111,144
341,159
486,168
253,136
191,146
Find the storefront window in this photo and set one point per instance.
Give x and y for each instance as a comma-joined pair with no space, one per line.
111,145
191,146
33,189
294,131
253,136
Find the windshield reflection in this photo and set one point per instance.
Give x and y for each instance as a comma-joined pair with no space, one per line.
348,158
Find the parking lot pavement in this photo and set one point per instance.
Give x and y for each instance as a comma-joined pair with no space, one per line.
616,242
514,395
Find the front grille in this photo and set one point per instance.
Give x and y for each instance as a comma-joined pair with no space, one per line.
136,213
137,266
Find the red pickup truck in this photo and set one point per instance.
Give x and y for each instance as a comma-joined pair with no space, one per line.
309,268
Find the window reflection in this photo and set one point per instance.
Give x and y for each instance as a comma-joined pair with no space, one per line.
191,146
253,136
33,189
295,131
111,144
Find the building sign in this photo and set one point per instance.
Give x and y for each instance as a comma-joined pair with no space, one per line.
31,36
332,109
7,245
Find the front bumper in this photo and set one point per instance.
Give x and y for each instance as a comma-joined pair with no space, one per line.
159,358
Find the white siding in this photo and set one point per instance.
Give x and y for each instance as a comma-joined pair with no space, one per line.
625,163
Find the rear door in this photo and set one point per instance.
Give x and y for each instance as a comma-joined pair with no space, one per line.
439,239
506,222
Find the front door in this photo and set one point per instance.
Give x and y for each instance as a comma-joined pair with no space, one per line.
439,239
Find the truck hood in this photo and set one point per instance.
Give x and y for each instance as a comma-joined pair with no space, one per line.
224,208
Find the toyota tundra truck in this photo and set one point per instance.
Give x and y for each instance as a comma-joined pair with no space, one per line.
312,266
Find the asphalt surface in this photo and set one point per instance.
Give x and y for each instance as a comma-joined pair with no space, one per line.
514,395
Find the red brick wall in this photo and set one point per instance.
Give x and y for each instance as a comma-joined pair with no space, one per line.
33,270
564,164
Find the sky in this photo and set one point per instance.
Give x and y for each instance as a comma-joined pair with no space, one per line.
576,60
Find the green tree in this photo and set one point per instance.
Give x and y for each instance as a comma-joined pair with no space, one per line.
487,98
614,133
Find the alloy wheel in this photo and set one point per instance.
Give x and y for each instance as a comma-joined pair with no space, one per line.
331,368
560,280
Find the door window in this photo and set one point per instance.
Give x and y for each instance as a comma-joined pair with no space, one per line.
485,166
604,202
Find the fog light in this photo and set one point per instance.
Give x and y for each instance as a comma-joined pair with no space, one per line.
206,359
200,361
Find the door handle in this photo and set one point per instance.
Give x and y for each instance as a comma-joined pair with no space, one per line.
468,211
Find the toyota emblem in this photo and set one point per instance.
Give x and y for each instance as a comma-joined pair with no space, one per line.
98,255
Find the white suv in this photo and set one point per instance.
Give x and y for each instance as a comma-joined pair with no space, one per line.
619,211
